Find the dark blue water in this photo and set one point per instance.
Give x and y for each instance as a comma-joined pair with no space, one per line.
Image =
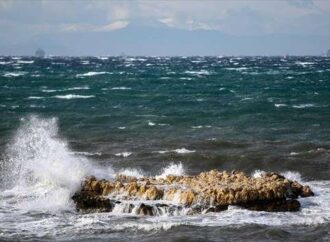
141,114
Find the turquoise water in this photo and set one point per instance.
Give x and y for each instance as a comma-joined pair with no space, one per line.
142,114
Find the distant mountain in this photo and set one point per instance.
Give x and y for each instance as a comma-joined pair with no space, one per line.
142,40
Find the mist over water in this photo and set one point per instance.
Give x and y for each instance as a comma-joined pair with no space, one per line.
62,119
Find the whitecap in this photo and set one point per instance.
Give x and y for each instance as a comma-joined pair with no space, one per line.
161,151
49,90
294,153
35,97
306,63
25,62
14,74
78,88
151,123
103,58
247,98
92,73
121,88
183,151
278,105
179,151
197,127
73,96
237,68
185,78
124,154
5,62
307,105
198,73
87,153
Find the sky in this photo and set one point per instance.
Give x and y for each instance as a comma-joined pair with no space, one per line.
136,27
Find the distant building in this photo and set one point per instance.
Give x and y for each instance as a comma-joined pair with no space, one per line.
328,53
40,53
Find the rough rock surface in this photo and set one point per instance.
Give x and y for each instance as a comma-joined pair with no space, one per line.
206,192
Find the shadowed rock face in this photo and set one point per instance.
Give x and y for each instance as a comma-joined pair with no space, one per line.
206,192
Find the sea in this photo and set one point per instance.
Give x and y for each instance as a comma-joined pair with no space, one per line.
65,118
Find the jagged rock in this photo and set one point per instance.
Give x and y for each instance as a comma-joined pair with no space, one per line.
282,205
90,203
206,192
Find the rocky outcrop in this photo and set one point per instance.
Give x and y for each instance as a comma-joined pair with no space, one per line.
211,191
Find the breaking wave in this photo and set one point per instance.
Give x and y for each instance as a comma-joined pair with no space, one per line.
39,169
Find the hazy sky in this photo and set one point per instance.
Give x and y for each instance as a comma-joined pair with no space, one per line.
233,27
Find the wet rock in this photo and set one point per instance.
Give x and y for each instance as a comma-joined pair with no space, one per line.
281,205
144,209
90,203
206,192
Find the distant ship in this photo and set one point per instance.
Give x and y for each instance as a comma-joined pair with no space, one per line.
328,53
40,53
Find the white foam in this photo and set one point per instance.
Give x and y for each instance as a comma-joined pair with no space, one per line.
257,173
124,154
131,172
73,96
92,73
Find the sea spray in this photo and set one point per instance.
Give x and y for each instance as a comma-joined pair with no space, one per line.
39,168
172,169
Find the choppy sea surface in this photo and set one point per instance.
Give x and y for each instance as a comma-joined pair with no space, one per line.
64,118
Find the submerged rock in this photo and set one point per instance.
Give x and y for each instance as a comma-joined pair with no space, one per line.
211,191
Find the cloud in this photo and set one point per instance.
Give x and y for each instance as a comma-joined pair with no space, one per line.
112,26
93,28
253,17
